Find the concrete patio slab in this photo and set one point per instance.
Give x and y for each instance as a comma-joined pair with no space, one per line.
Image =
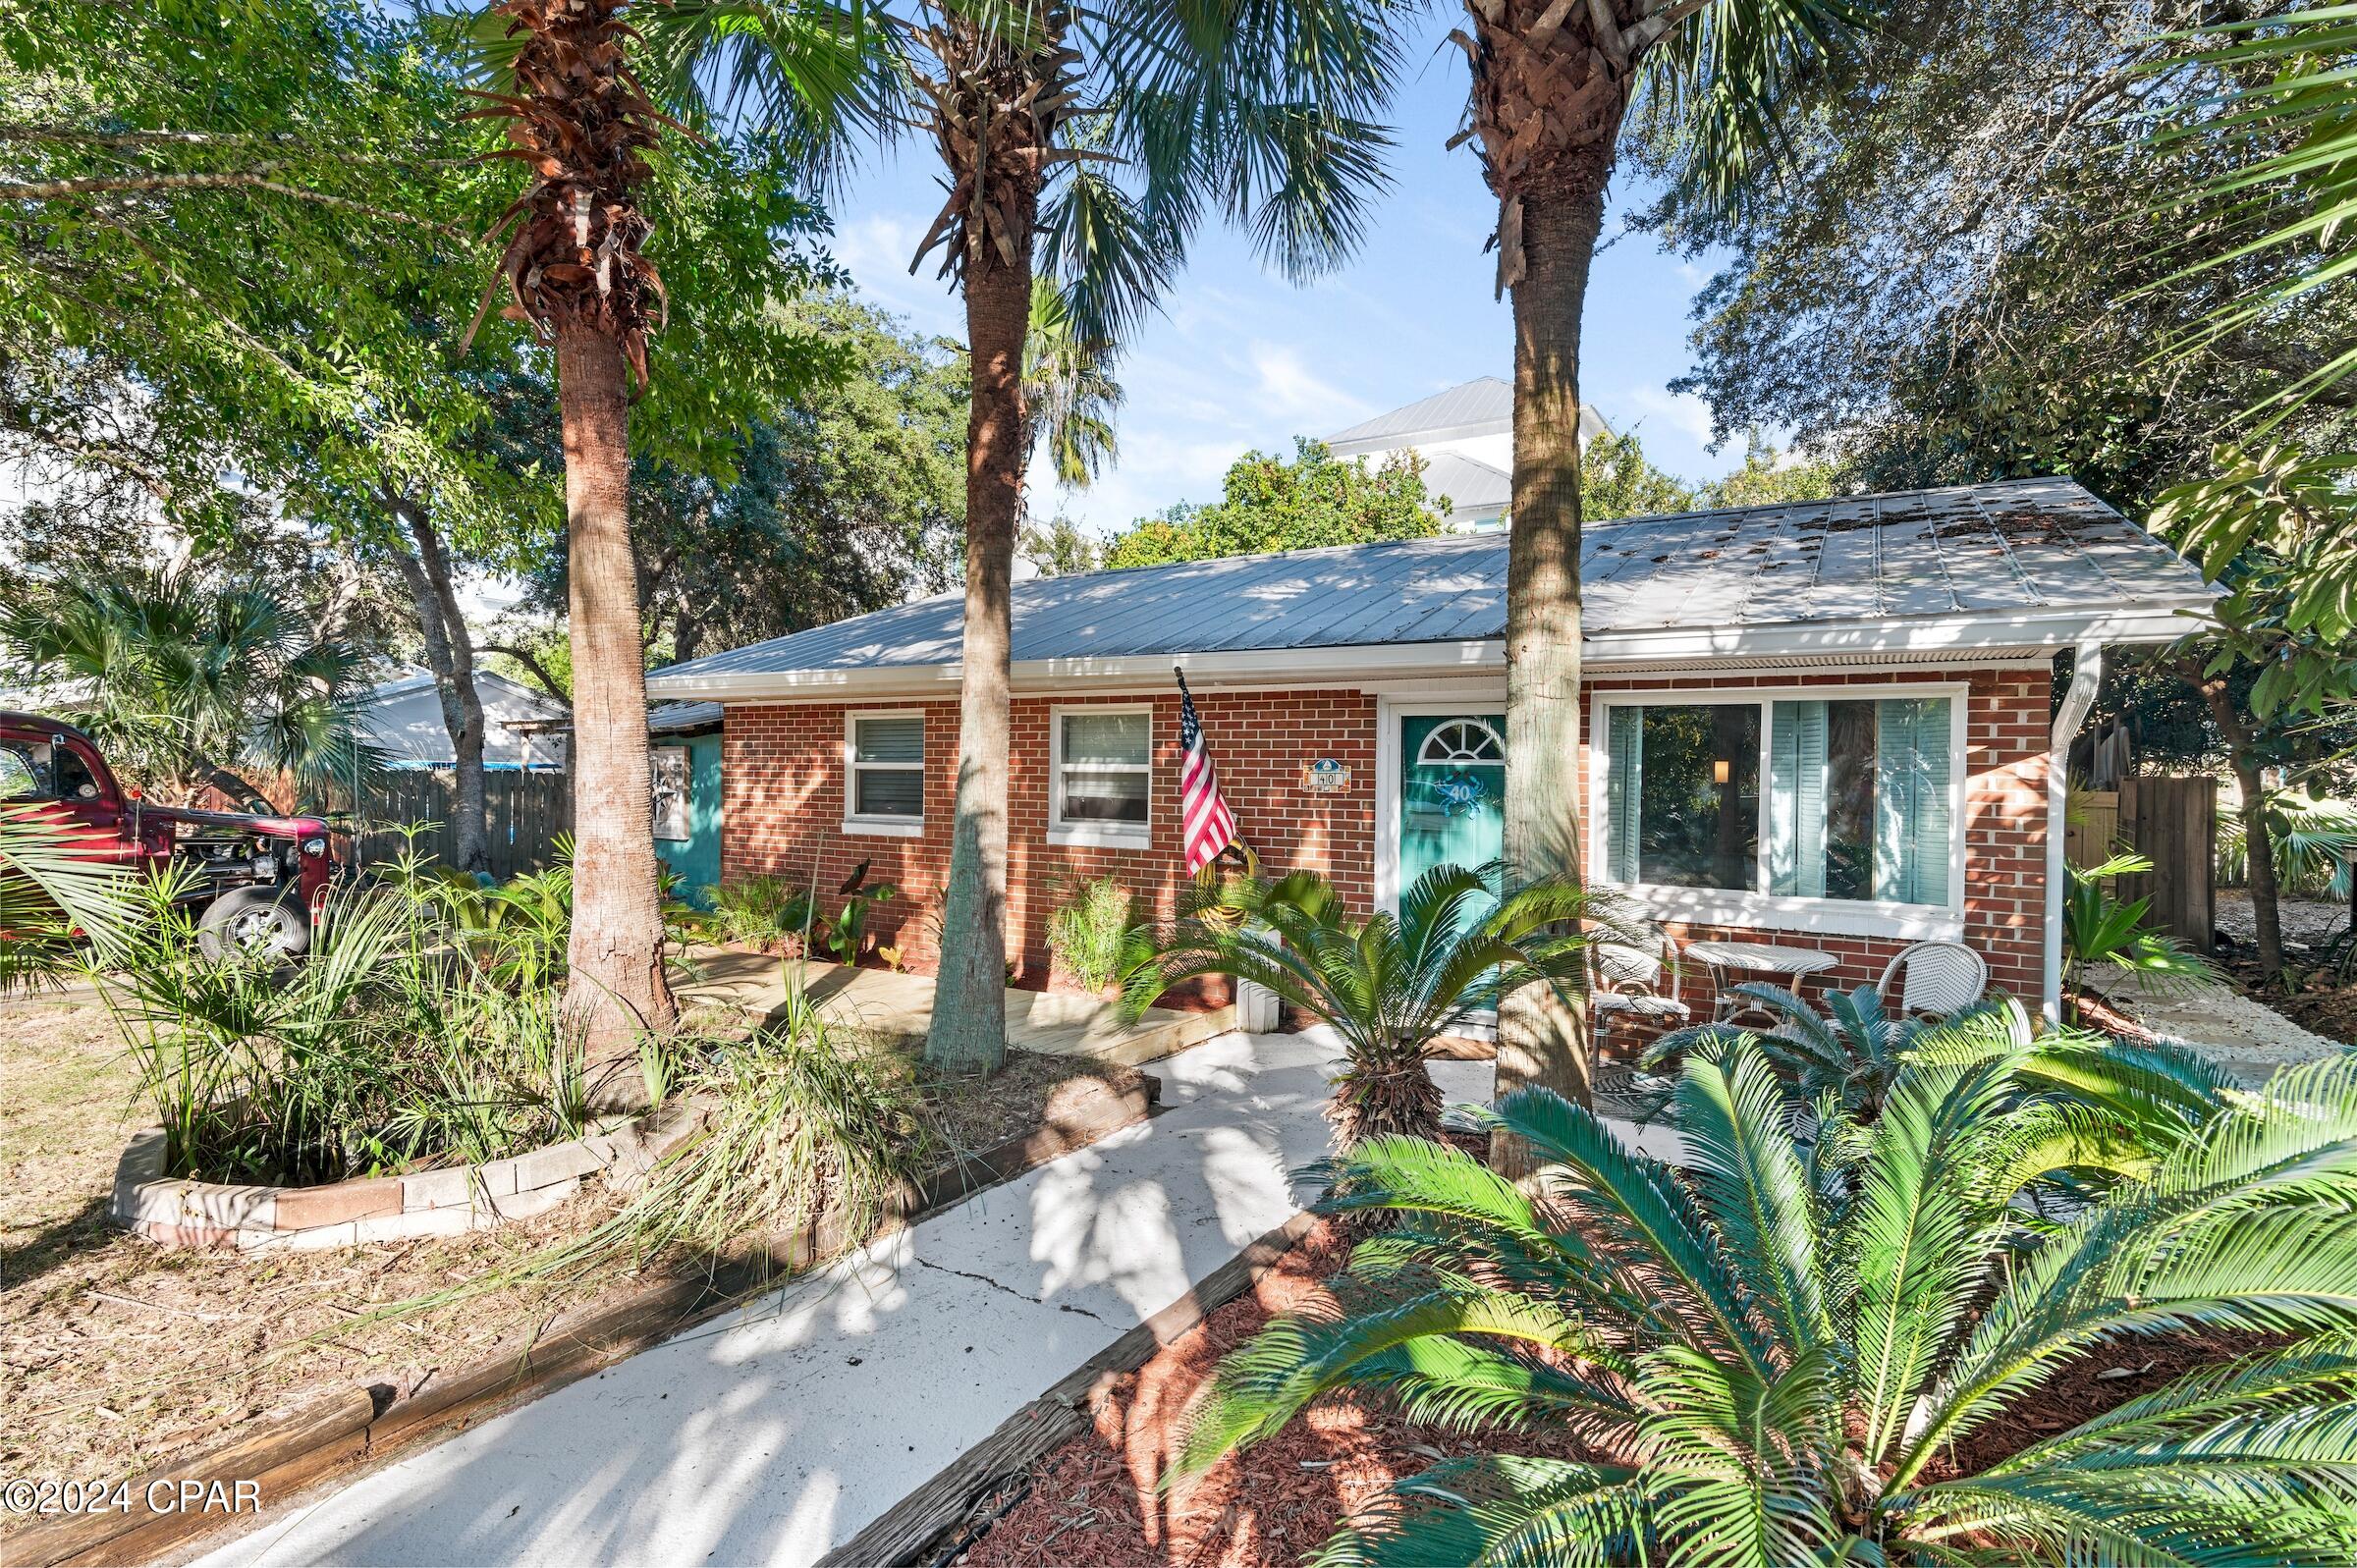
889,1002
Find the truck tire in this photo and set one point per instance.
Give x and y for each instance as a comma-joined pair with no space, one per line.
258,921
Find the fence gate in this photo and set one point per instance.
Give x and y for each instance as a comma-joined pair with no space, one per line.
2172,822
523,816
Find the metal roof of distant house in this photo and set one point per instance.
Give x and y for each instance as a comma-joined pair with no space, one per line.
1936,575
1481,407
1472,487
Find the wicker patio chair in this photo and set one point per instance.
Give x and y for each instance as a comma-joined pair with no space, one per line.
1941,978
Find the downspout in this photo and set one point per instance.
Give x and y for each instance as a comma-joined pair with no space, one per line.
2086,675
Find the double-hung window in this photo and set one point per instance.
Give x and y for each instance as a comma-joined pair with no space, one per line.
883,772
1855,800
1103,766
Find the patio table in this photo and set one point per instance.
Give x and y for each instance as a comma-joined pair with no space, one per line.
1793,964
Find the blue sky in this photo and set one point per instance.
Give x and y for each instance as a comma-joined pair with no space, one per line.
1241,358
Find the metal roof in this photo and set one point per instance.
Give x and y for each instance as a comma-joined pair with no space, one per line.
1481,407
1991,556
1475,488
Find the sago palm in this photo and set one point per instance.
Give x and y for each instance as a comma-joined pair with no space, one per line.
1389,985
2100,931
1553,81
1084,143
1778,1357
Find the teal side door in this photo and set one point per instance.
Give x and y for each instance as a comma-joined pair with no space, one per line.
1452,792
696,858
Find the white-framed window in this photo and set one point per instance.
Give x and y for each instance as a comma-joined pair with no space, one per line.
883,772
1829,808
1100,775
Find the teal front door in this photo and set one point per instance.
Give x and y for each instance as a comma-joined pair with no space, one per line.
689,813
1452,792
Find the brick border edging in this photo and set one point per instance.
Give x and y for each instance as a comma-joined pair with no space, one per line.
363,1426
180,1213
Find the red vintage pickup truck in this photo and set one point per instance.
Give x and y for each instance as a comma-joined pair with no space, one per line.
260,882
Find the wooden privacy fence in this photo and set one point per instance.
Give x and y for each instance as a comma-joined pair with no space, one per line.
2172,822
523,815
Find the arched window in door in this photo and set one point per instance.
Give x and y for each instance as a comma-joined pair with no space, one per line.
1462,743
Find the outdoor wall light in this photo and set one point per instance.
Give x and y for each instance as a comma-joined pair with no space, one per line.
1721,769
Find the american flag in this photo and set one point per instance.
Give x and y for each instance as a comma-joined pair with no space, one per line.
1208,825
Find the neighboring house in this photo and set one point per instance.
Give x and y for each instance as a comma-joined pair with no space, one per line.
1830,725
1467,438
403,719
684,757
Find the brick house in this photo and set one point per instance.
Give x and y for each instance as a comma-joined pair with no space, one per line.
1833,723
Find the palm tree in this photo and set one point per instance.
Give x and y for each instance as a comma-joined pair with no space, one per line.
579,119
1778,1356
1039,109
189,684
1552,82
1070,396
1390,986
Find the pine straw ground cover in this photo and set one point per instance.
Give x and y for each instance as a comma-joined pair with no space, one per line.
115,1353
1095,1501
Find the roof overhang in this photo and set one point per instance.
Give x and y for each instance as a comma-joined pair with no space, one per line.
1935,640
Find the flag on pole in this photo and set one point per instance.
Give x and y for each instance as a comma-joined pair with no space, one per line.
1207,826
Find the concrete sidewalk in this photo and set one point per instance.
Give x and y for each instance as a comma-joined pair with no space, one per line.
773,1434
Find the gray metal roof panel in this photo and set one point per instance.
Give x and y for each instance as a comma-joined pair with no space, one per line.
2000,548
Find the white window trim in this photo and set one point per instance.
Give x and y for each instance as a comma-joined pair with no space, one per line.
1716,906
877,825
1098,835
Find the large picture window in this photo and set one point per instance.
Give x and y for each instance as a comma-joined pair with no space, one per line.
886,772
1104,774
1851,799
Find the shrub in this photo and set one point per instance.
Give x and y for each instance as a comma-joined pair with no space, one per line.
2098,929
1090,930
407,1037
1777,1355
761,910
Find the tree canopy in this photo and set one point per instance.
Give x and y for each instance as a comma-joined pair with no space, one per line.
1268,502
846,498
1971,264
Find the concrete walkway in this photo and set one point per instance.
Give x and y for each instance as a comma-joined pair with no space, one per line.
773,1434
2250,1041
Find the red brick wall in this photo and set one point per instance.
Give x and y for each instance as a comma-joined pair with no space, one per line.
2006,726
782,785
783,778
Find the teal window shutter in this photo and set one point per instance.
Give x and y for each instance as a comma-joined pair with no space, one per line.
1796,739
1625,793
1913,825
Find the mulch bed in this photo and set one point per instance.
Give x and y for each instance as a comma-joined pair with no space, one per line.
1096,1499
2322,1005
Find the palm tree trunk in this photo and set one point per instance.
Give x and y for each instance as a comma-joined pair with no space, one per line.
617,986
1542,1036
969,1005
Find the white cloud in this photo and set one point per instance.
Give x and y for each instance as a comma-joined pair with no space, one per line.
1657,408
1286,388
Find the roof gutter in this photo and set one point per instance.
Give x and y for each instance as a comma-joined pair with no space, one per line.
2086,677
1891,640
